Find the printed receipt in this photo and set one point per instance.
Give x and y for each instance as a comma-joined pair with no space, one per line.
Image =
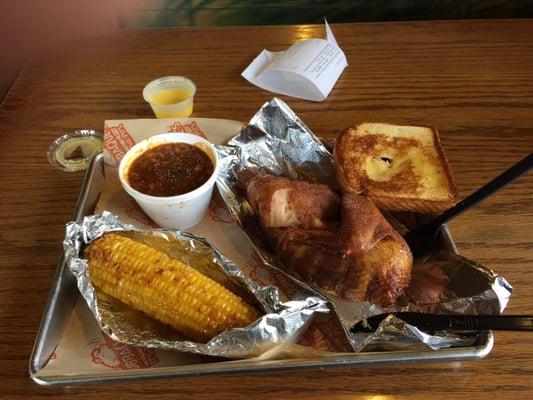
308,69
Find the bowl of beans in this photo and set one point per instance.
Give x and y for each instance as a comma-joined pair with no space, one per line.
171,176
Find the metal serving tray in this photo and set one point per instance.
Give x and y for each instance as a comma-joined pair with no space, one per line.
64,293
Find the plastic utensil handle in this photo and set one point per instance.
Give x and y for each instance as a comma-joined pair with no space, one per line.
494,322
435,322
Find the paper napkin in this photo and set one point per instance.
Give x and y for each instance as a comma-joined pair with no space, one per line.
308,69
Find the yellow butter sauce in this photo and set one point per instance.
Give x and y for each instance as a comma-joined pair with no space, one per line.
171,96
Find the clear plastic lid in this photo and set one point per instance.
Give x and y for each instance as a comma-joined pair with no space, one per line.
74,151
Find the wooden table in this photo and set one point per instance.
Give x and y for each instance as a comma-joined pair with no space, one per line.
471,79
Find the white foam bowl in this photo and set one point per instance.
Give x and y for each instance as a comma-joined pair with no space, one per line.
177,212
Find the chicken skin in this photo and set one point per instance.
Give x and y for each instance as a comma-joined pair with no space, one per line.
281,202
359,257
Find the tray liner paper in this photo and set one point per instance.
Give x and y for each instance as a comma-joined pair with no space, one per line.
278,141
84,348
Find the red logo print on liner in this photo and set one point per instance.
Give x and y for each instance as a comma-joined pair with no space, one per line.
186,128
218,210
135,212
123,356
117,141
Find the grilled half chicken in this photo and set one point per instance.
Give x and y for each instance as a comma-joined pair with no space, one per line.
360,257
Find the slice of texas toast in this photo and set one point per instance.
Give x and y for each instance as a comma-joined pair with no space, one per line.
402,168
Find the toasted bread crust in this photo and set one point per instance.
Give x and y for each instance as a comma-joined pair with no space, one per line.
339,158
454,193
393,194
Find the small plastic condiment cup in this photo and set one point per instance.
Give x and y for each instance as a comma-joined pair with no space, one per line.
176,212
182,109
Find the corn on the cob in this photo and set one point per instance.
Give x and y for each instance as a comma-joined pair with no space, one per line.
164,288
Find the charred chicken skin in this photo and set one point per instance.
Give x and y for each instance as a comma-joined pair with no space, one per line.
359,256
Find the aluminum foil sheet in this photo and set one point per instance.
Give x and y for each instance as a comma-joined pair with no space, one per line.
277,141
282,322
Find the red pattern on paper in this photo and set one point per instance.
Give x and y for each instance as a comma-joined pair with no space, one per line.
254,273
134,211
334,335
123,356
117,141
321,334
277,278
314,338
187,128
218,210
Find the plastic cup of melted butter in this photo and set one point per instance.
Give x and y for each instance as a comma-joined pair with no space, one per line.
179,211
170,96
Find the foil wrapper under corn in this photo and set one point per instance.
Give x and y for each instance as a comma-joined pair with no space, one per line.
277,141
282,322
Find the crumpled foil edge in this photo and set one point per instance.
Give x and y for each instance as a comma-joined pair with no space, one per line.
283,321
277,140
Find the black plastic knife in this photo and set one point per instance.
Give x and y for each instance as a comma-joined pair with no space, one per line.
437,322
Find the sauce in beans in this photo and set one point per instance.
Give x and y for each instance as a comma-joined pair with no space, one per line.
170,169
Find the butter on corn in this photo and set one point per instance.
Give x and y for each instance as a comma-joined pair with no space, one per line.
164,288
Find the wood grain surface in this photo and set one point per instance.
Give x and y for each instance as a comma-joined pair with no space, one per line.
473,80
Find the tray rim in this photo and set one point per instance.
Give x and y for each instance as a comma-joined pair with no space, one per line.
36,363
233,367
239,367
